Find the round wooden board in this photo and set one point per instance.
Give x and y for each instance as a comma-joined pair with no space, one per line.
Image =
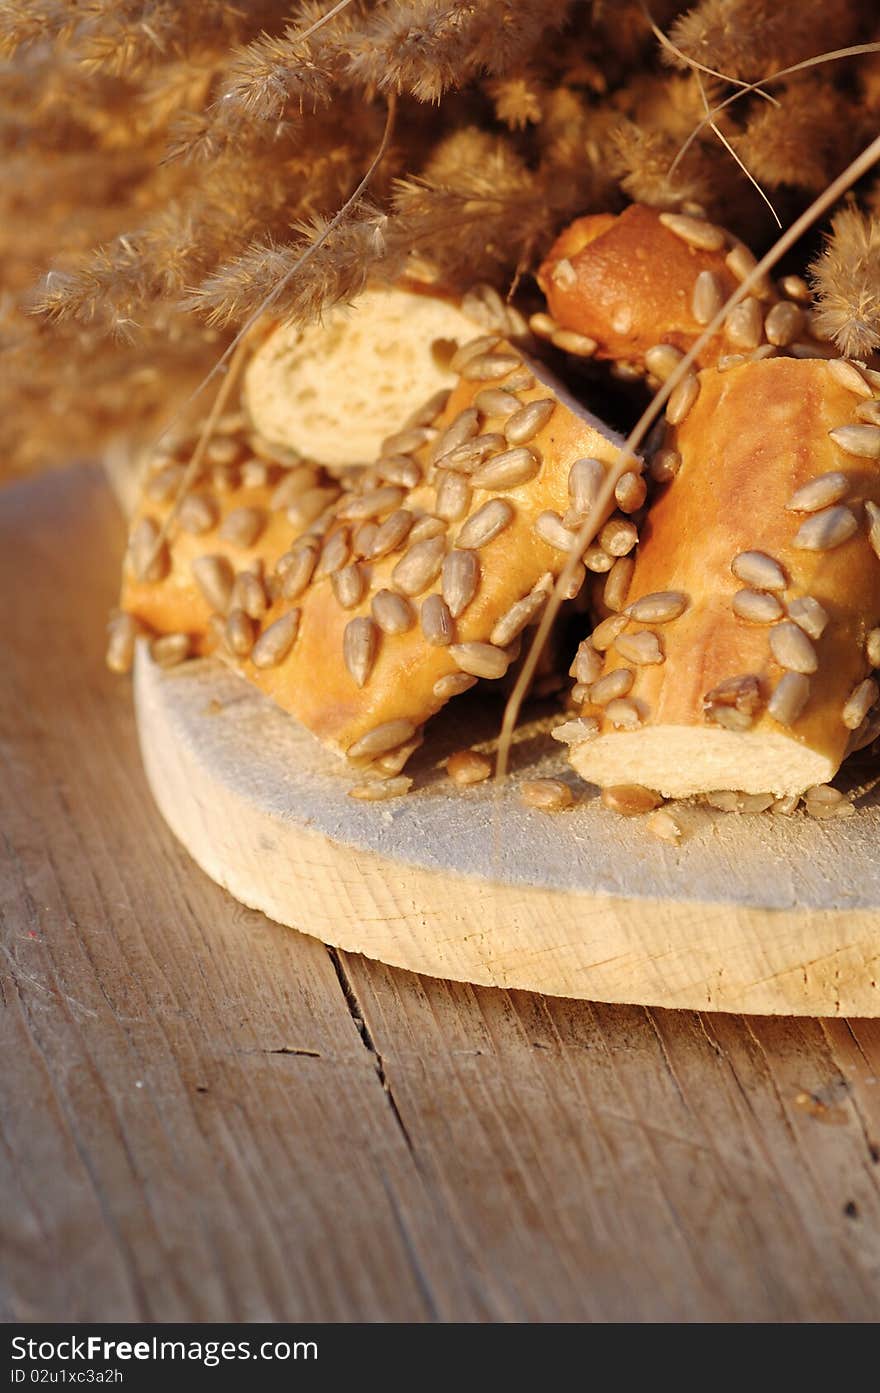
759,914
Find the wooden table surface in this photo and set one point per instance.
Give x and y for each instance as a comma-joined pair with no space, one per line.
209,1117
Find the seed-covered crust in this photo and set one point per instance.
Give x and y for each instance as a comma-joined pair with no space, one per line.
750,694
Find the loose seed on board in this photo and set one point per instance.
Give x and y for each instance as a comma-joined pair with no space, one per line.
848,375
214,577
663,825
381,739
508,470
744,326
617,683
576,732
392,533
618,536
488,367
587,664
758,569
790,696
623,714
630,492
387,765
551,529
485,524
664,466
238,633
872,647
682,399
809,615
823,801
197,514
275,642
861,441
605,633
360,644
348,585
643,648
334,553
360,507
662,359
528,420
705,236
150,561
818,493
453,496
548,795
465,426
787,805
784,324
826,530
630,800
585,479
480,659
438,625
420,566
468,767
122,632
792,649
392,612
872,512
461,576
381,790
756,606
708,297
618,582
496,401
859,703
452,685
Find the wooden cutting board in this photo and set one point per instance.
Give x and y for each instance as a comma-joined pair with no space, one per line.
761,914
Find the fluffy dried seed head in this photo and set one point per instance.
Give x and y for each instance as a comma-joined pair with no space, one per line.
381,739
708,297
819,493
551,529
605,633
585,479
729,801
642,649
617,584
630,492
465,426
420,566
453,496
847,374
623,714
496,401
468,767
682,398
697,232
792,649
375,503
525,423
630,800
487,523
664,466
861,441
122,631
360,644
662,359
859,703
507,470
392,533
548,795
809,615
617,683
790,696
348,585
461,576
488,367
276,641
757,569
150,559
438,625
480,659
214,577
381,790
392,613
872,513
587,664
825,530
618,536
872,647
452,685
757,606
660,607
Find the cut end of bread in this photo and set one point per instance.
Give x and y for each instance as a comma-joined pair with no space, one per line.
681,761
335,390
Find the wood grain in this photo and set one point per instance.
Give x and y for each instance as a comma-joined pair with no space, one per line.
207,1117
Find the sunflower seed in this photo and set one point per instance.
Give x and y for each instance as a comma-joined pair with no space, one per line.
198,513
618,537
122,632
630,800
521,380
387,765
787,805
739,696
548,795
437,623
605,633
480,659
587,664
726,800
848,375
528,420
542,325
570,342
576,732
255,474
861,441
222,451
467,457
819,493
869,411
758,569
682,399
392,533
759,355
659,607
623,714
757,606
744,326
468,767
662,360
496,401
872,512
708,297
453,496
790,696
521,614
419,566
373,504
664,826
741,263
796,288
163,486
427,414
348,585
406,442
488,367
585,479
381,790
695,231
170,649
729,717
826,530
664,466
401,470
461,576
614,684
551,529
275,642
792,649
150,560
485,524
563,274
474,348
872,647
224,478
381,739
427,526
859,703
823,801
642,649
630,492
465,426
334,553
596,560
730,360
784,324
452,685
392,612
239,633
360,644
809,615
508,470
308,506
617,585
214,577
298,573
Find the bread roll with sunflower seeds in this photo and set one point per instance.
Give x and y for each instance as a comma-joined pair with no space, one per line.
743,658
335,389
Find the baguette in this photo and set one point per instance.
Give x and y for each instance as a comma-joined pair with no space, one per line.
743,656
